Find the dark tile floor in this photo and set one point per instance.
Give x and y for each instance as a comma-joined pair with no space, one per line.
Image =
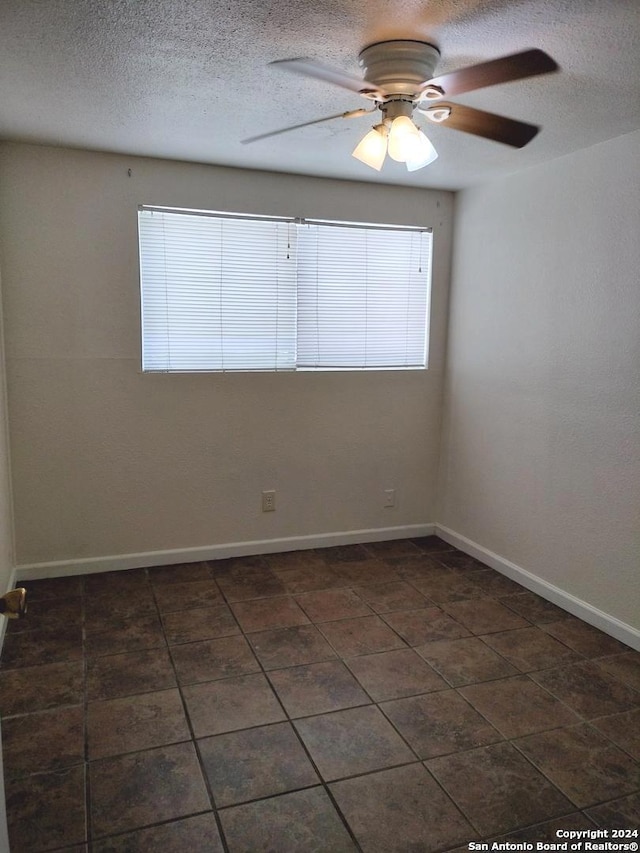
390,697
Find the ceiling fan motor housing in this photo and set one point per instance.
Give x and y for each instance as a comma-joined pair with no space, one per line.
399,67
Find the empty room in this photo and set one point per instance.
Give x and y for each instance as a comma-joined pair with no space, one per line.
319,426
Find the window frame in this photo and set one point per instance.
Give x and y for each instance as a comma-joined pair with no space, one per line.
297,221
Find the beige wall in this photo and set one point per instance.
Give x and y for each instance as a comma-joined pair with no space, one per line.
6,546
540,459
108,461
6,522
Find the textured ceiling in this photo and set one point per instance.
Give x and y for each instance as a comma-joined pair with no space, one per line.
188,79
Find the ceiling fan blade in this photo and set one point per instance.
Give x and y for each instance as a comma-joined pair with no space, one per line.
348,114
488,125
516,66
320,71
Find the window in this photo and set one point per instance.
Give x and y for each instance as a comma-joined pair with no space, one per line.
223,292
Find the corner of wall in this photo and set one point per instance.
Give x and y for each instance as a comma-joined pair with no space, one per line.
444,425
7,537
7,527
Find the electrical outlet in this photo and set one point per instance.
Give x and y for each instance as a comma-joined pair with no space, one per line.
269,501
389,497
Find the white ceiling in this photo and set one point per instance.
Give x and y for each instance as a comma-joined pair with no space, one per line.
188,79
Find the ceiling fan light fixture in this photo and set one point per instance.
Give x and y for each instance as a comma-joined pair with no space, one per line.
372,148
398,78
403,138
422,154
431,93
436,114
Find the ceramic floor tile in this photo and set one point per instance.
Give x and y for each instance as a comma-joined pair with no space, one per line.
506,791
400,810
36,648
129,582
424,570
529,649
201,623
344,553
180,573
533,607
447,586
223,706
584,638
268,613
172,597
309,578
330,604
582,763
439,723
518,706
53,588
495,584
413,568
101,611
390,675
485,616
197,834
134,723
365,572
355,741
361,636
430,544
42,742
148,789
317,688
125,635
46,811
36,688
547,831
422,626
212,659
623,730
237,567
255,763
126,674
460,562
625,667
290,647
131,791
393,548
588,689
290,823
288,560
261,583
388,597
465,661
621,813
54,614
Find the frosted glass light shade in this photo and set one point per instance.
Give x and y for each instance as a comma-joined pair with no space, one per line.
372,149
422,153
401,138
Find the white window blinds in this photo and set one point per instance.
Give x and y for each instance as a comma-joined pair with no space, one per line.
223,292
363,296
218,293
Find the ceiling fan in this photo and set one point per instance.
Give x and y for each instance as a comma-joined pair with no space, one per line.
399,80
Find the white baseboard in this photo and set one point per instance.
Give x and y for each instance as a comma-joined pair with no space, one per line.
582,609
91,565
576,606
